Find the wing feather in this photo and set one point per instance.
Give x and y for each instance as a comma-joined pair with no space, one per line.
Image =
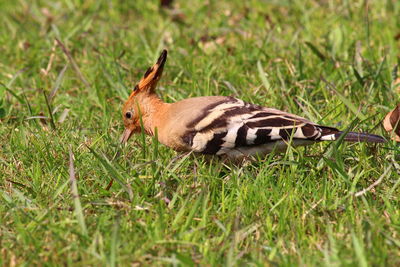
235,124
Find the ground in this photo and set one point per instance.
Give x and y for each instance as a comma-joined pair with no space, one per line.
66,68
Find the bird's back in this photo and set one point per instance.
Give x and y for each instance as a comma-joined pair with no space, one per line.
227,125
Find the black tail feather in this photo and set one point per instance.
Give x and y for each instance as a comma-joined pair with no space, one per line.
361,137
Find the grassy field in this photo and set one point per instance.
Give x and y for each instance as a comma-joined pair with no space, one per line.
333,62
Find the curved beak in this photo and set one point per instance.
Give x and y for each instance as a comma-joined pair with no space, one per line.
126,135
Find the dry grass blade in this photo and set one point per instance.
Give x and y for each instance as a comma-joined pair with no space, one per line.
52,55
63,115
58,83
36,117
311,209
73,63
75,194
365,190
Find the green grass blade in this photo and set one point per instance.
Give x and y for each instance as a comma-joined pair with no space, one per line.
114,243
113,172
351,106
263,76
316,51
362,260
75,194
49,109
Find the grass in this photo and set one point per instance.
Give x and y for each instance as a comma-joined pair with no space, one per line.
330,61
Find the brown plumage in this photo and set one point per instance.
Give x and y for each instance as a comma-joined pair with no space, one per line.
220,125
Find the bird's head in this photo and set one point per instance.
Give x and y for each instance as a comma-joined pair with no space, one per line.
131,110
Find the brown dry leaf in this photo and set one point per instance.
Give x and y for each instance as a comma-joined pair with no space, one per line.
177,15
391,123
210,43
47,14
166,3
24,45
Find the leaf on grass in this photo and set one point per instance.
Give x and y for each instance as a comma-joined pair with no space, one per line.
210,43
391,123
75,194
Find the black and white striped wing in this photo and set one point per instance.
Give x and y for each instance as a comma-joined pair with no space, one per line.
232,124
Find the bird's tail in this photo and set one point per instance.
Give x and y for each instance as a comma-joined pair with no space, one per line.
354,137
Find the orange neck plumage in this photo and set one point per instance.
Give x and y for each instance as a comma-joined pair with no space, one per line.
153,111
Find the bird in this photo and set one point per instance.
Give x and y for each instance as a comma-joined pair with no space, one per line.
391,123
220,125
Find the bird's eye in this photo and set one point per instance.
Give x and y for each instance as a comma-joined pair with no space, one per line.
128,115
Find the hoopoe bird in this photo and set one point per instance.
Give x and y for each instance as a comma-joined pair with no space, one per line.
220,125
